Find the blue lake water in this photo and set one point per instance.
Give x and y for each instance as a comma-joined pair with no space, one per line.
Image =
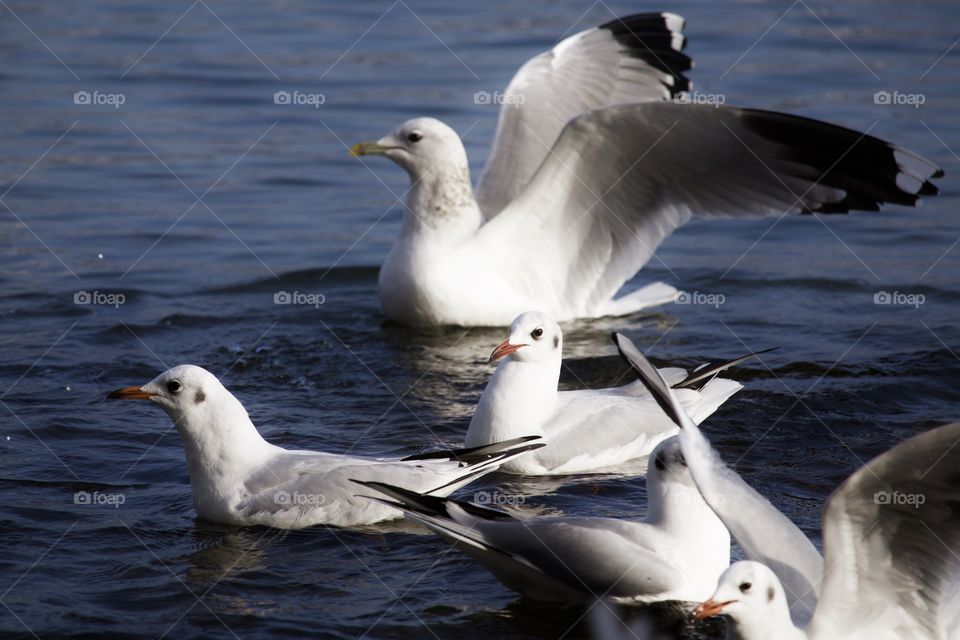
198,199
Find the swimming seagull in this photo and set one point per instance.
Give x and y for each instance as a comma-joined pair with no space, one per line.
890,532
239,478
591,167
584,430
677,552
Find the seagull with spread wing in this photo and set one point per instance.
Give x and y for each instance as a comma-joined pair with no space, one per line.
593,168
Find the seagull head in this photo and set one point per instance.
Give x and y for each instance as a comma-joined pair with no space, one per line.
193,397
667,464
750,594
534,337
421,146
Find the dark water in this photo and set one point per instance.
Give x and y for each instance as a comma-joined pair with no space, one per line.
199,198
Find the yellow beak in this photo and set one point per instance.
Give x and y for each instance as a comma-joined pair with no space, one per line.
368,149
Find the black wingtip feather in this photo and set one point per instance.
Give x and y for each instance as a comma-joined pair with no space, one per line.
863,166
648,37
472,455
431,505
707,372
651,378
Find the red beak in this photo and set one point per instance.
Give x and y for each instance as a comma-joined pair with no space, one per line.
130,393
710,608
504,349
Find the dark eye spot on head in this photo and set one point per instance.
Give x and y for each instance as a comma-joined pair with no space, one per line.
659,464
199,397
556,341
537,333
414,136
745,586
770,594
174,386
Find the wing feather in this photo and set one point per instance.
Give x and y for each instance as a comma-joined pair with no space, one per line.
630,59
620,179
891,537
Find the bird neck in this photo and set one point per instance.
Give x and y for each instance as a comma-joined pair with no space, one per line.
441,202
673,506
518,401
222,445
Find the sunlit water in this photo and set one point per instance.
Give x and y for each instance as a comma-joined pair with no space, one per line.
199,199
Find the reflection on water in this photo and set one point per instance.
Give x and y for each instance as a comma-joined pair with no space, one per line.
223,550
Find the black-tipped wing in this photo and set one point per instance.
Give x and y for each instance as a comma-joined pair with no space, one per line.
630,59
473,455
652,379
892,538
585,556
707,372
429,505
620,179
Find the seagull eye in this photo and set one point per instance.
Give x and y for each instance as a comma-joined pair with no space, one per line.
745,586
415,136
658,463
174,386
537,333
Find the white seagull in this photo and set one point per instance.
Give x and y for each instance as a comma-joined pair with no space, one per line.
239,478
890,534
584,430
677,552
592,166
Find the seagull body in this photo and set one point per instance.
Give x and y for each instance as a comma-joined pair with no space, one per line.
584,430
672,554
592,169
889,570
239,478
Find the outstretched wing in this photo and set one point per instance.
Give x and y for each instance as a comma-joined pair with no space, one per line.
891,537
630,59
621,179
764,534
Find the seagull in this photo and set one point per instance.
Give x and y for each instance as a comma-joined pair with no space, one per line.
889,569
584,430
238,478
676,553
595,161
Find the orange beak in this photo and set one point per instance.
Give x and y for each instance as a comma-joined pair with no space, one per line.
130,393
710,608
504,349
